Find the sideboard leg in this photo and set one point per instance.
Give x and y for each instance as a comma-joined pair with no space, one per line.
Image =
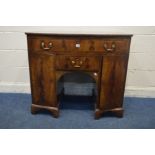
118,113
98,114
53,110
55,114
34,109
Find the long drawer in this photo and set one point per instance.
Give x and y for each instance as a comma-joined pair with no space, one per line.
76,44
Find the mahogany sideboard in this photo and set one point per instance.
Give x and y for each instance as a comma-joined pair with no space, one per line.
103,57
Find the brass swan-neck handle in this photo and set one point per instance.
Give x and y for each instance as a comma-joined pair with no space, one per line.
44,47
113,47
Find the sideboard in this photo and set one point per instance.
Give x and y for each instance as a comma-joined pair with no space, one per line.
103,57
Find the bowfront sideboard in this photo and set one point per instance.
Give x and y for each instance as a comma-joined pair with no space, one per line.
103,57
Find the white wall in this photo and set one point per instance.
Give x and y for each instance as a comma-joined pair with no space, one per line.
14,73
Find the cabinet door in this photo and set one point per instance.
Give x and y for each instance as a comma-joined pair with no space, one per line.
42,73
113,82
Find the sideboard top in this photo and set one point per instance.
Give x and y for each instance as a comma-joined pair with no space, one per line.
78,34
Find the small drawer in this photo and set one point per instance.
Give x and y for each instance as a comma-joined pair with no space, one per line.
47,44
115,45
78,63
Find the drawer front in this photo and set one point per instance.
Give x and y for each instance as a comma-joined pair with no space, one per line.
104,45
78,63
46,44
98,45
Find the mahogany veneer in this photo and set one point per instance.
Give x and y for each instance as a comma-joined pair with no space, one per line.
103,57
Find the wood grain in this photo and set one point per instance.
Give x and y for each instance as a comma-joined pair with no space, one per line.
103,57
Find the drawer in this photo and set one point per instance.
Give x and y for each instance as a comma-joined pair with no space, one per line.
98,45
46,44
64,62
60,44
106,45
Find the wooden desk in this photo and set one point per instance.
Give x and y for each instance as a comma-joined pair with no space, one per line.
103,57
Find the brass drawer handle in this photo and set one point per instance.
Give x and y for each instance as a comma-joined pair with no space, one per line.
113,47
43,46
76,63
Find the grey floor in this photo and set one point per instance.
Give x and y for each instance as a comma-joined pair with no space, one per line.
76,113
